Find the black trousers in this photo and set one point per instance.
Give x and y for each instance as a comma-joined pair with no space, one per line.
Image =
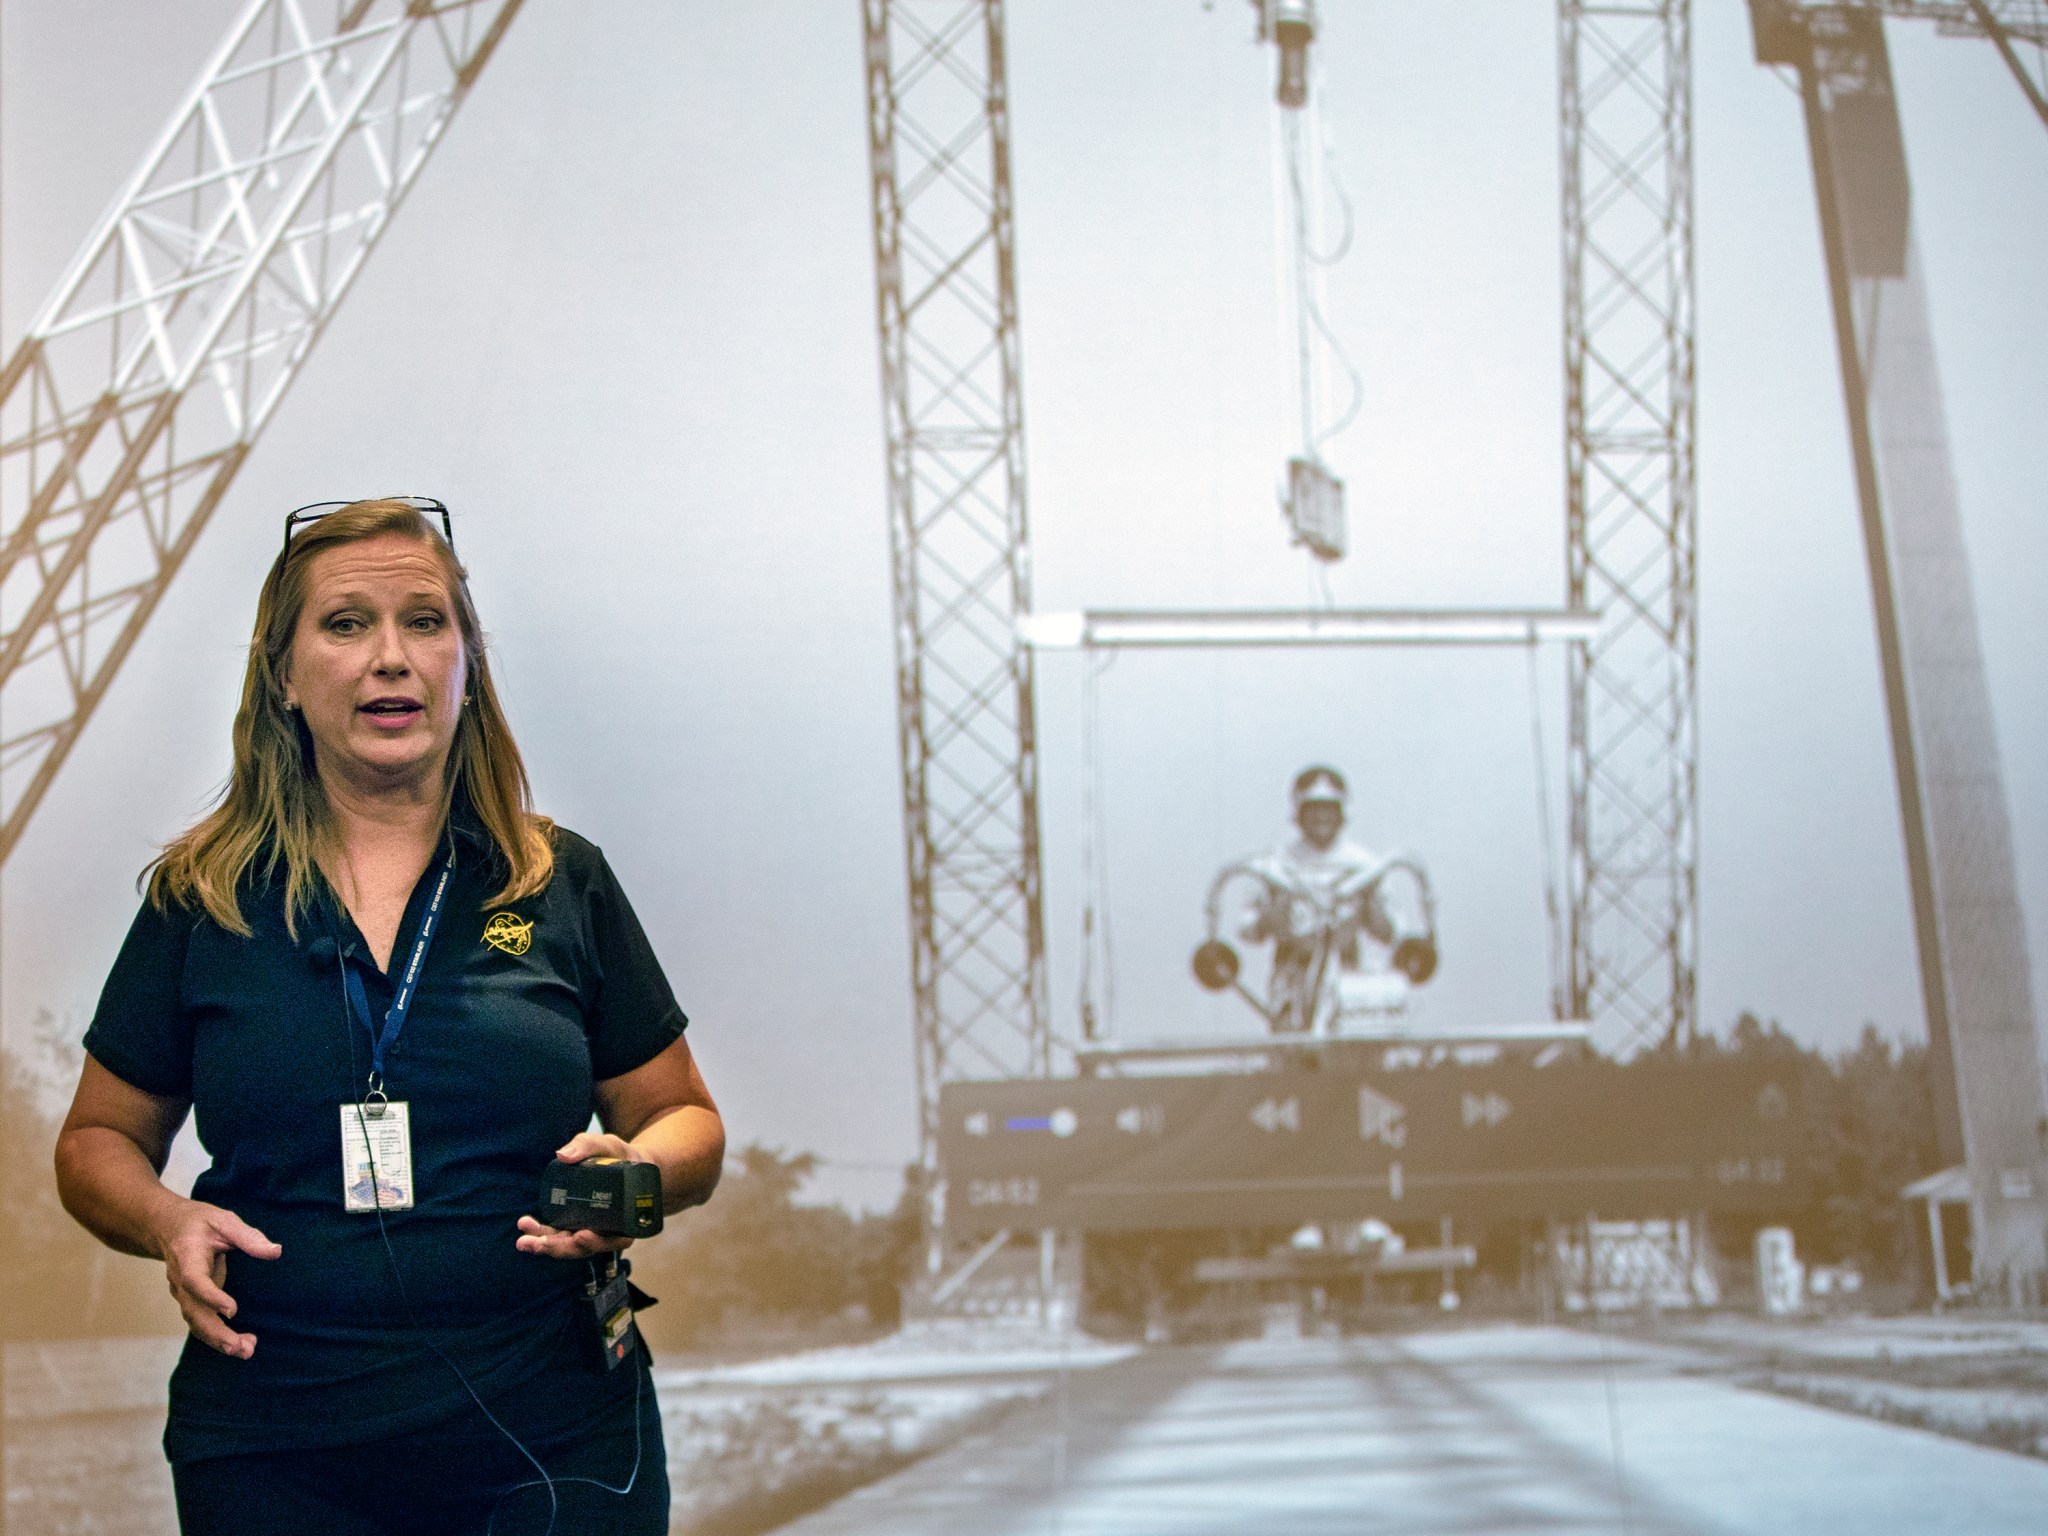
462,1478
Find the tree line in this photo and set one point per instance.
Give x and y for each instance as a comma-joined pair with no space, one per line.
758,1261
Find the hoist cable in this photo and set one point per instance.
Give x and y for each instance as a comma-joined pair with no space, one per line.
1105,924
1098,951
1323,590
1552,907
1336,187
1309,318
1085,988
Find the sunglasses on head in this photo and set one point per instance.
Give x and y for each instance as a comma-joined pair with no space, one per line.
313,511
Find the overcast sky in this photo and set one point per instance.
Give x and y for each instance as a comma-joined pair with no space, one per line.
625,328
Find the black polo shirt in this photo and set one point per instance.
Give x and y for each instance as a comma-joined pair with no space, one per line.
512,1023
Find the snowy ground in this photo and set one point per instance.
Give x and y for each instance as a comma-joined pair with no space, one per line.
1723,1425
1977,1379
749,1445
1472,1431
753,1445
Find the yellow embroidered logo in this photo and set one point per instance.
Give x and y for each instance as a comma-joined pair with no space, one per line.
506,932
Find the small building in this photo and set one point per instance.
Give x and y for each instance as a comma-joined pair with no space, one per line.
1949,1232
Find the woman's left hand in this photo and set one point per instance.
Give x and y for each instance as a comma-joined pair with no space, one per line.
553,1242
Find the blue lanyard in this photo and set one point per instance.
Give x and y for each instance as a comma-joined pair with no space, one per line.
401,1005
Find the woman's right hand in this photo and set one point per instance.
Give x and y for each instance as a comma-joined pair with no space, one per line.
110,1157
193,1241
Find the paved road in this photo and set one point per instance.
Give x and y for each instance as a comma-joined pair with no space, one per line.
1488,1430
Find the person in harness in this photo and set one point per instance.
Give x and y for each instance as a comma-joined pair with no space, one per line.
1333,906
1322,900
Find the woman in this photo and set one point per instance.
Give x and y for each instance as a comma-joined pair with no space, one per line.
390,992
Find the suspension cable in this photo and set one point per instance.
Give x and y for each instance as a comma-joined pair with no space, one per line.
1552,907
1098,946
1310,321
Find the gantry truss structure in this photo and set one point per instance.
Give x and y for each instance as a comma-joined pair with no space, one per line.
1625,144
144,382
142,385
952,403
1976,979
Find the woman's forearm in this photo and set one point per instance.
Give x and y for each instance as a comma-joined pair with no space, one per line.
112,1189
111,1184
688,1142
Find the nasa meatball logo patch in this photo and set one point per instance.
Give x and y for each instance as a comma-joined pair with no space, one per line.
506,932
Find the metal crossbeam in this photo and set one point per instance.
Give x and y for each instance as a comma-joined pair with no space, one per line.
2018,29
143,383
1107,629
2024,20
938,138
1626,147
1543,1041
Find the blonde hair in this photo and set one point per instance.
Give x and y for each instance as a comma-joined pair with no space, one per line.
274,812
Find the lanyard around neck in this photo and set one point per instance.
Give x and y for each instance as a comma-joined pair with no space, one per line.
382,1040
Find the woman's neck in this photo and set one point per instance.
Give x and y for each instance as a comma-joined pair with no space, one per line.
386,841
387,834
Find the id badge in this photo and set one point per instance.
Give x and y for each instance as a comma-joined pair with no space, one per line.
376,1156
613,1308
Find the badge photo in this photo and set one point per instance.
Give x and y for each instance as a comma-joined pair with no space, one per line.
376,1156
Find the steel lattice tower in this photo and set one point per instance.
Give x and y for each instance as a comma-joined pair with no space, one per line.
1984,1058
144,382
946,295
1625,109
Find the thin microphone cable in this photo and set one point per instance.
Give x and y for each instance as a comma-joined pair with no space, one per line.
545,1479
398,1275
632,1477
413,1317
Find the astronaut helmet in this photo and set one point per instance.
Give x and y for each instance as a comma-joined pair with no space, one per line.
1320,783
1319,798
